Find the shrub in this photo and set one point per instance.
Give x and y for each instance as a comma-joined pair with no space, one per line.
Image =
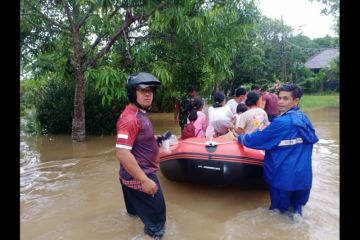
247,86
54,104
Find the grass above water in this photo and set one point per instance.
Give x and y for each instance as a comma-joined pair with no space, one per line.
319,101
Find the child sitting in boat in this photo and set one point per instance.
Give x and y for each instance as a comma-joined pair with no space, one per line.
240,109
222,129
198,118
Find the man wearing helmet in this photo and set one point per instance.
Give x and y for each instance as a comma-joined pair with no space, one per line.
138,153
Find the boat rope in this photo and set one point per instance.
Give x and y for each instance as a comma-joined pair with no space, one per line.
208,143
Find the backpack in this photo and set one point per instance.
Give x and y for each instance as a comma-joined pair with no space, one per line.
188,131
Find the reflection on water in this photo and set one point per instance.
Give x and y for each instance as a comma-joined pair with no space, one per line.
72,191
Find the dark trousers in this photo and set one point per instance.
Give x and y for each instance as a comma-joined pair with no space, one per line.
282,199
150,208
271,117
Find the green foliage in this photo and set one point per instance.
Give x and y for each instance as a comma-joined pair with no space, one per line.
54,105
308,86
247,86
32,122
264,83
110,82
212,45
317,81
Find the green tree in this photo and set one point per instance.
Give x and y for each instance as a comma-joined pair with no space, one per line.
318,80
102,41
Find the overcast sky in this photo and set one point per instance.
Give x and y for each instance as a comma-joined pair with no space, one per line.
299,12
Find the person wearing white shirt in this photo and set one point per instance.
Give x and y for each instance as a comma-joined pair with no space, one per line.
218,111
240,97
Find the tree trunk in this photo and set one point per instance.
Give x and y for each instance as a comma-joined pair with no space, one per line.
232,91
78,122
215,86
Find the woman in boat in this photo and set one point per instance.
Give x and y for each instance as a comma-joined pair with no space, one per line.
198,118
218,111
255,119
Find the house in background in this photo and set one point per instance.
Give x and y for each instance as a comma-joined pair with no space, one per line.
320,60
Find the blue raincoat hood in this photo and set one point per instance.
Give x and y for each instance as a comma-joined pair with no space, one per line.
306,130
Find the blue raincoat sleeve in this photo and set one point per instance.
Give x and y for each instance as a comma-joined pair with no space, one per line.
268,138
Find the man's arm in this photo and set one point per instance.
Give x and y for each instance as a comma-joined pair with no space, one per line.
259,102
266,139
239,130
263,102
128,161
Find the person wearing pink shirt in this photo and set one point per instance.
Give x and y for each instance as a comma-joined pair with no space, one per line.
198,118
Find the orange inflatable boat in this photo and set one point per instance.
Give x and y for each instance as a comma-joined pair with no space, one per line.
214,161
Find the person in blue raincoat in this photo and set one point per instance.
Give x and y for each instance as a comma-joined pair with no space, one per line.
288,143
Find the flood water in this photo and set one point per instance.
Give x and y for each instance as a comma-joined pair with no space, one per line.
72,191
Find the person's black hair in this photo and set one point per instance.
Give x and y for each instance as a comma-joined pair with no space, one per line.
240,91
296,91
190,89
263,90
198,103
241,108
252,98
255,86
218,99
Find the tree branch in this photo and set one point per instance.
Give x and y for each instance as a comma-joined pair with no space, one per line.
92,48
127,46
124,6
24,14
165,38
46,17
82,21
91,62
137,27
49,29
115,11
195,9
68,13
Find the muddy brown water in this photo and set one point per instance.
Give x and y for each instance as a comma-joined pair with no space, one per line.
72,191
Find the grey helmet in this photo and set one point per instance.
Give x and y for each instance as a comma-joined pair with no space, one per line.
144,80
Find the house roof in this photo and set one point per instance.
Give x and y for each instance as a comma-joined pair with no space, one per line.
321,59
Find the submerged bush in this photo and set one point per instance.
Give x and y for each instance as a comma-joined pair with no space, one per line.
54,104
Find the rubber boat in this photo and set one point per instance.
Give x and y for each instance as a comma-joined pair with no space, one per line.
214,161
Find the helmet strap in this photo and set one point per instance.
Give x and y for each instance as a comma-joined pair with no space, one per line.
139,106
